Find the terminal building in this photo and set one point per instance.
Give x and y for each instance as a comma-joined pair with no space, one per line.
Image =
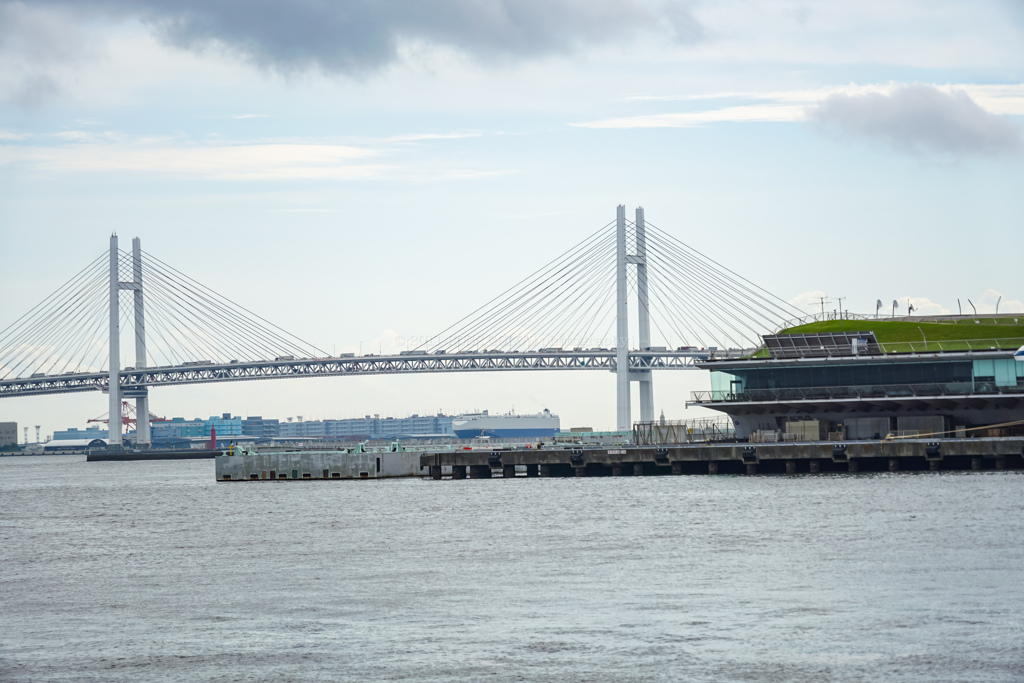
858,383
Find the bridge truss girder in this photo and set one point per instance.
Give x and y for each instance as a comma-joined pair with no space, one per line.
134,380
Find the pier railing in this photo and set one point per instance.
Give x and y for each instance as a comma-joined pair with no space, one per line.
856,392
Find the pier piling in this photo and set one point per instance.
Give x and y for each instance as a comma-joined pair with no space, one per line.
458,471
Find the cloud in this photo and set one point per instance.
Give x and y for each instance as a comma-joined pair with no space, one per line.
741,114
987,302
922,306
253,161
920,120
360,36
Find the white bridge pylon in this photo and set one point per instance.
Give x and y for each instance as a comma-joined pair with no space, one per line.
623,259
114,390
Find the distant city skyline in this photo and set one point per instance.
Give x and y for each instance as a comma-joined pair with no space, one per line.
364,186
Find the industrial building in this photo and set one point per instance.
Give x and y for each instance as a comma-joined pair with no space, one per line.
809,386
8,434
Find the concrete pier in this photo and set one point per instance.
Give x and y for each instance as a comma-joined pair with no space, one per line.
508,471
766,459
479,471
435,472
458,471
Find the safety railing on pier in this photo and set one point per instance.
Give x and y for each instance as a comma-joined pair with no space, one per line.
700,430
856,392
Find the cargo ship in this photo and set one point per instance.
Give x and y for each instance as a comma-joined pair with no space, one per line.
509,425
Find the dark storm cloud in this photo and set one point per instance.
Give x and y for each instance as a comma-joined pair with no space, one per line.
357,36
920,119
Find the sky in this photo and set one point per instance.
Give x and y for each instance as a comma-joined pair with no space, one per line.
363,172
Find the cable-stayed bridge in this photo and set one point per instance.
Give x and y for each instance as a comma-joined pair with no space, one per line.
572,314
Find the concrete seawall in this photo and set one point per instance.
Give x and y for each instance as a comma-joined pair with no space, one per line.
290,465
905,455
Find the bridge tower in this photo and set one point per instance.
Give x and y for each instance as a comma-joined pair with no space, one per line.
624,412
140,394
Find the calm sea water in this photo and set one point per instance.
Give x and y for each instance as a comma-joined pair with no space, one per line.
153,571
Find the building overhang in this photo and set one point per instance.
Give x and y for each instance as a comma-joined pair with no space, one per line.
874,359
868,404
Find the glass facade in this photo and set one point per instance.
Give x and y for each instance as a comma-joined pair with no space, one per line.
837,375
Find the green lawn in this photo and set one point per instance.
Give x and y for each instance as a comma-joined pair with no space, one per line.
897,336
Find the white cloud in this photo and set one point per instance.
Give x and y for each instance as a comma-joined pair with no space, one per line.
920,119
988,301
254,161
742,114
789,106
922,306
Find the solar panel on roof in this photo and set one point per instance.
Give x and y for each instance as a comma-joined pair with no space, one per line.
813,344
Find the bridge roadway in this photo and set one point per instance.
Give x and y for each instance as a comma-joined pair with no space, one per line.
203,373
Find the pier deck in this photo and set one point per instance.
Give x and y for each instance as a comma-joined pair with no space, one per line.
992,453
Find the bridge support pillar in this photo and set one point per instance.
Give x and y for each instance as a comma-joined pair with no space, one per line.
435,472
545,470
142,437
508,471
624,420
114,378
479,471
532,471
643,315
458,471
